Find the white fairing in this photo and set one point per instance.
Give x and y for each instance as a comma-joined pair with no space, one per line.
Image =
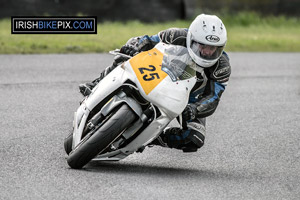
169,96
110,83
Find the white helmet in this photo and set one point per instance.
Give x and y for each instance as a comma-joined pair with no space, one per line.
206,39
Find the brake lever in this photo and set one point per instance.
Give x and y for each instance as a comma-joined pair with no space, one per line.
117,52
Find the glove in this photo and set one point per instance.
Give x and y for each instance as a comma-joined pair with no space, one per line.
189,113
129,49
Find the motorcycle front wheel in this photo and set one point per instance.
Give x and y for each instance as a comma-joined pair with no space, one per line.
68,143
92,145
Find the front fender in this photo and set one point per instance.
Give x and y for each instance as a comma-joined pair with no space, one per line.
107,85
117,100
80,117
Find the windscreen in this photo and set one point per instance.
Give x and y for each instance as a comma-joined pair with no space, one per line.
178,64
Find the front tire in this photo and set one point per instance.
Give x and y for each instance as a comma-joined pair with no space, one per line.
92,145
68,143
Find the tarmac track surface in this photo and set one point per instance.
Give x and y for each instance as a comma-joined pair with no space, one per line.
252,148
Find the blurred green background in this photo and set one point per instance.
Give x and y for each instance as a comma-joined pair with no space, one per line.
252,25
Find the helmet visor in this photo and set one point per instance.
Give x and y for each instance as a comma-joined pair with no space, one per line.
205,51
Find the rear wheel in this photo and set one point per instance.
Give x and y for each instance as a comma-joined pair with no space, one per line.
93,144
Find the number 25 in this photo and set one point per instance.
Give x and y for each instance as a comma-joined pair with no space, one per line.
151,76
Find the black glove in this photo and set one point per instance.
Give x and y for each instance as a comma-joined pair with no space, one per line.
189,113
129,49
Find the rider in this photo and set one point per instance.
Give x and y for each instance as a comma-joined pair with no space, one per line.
205,40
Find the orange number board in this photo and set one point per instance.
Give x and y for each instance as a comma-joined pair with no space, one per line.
147,67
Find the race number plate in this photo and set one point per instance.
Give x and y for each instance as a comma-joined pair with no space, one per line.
147,67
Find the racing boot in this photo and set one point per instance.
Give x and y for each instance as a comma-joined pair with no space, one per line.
86,88
189,140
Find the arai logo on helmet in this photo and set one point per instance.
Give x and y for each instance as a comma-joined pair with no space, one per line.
212,38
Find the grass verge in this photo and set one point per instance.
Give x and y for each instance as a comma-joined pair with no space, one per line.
246,32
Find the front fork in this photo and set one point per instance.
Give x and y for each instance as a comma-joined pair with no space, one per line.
82,113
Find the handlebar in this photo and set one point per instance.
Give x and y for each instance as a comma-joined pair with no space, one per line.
117,52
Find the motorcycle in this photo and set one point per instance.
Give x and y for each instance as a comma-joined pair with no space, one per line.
131,106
